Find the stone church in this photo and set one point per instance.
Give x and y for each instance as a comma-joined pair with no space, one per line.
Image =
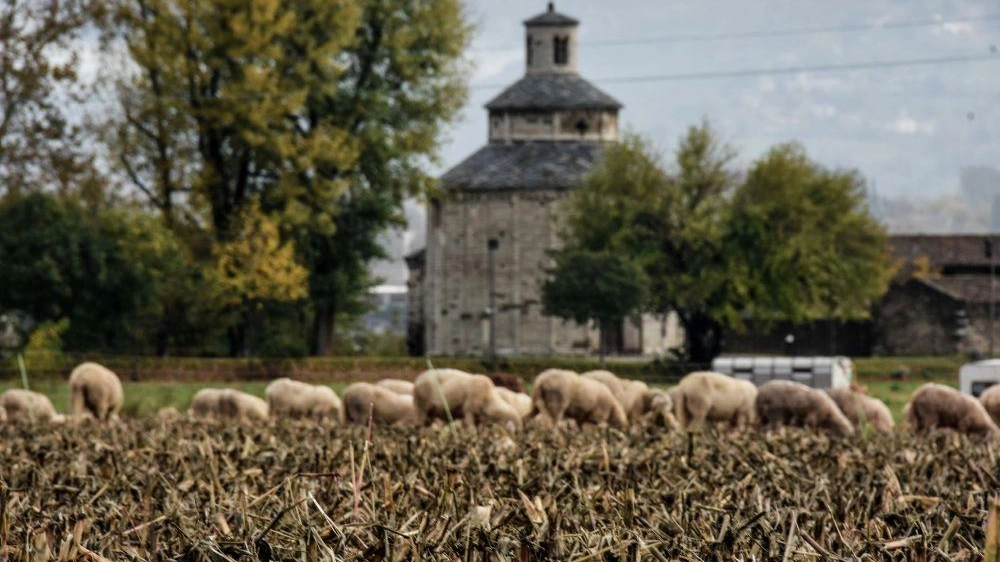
493,221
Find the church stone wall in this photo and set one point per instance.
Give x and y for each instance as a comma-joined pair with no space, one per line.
458,275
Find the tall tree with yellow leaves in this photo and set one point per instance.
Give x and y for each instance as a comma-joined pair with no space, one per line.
252,267
327,110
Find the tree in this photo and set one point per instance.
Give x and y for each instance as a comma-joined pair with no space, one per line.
803,243
104,271
327,111
793,241
591,286
403,82
669,223
40,146
230,79
255,267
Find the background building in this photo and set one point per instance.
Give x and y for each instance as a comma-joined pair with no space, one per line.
938,304
494,220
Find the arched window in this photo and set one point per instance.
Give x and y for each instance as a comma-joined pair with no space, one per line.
560,49
528,50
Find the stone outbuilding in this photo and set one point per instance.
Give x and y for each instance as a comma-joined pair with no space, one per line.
494,217
938,304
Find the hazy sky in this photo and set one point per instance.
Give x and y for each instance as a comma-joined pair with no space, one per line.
907,129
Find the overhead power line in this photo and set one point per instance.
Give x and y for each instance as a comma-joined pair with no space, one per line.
710,75
750,34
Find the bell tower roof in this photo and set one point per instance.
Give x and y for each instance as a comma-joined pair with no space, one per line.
551,18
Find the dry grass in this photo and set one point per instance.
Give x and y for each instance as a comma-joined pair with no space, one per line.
149,490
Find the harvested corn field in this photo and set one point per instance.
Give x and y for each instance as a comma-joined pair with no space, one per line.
153,490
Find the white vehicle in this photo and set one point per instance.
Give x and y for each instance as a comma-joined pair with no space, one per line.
817,372
974,378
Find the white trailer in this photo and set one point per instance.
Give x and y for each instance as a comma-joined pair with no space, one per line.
974,378
817,372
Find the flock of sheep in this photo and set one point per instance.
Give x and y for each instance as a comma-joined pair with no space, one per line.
558,397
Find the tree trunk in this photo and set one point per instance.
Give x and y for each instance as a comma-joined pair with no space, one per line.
703,335
323,330
239,335
601,347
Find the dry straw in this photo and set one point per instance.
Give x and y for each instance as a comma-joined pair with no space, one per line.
155,490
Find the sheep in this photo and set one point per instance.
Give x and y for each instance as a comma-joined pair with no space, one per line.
227,404
168,414
397,385
385,407
559,393
641,403
658,409
287,398
990,399
17,404
938,406
96,390
205,403
793,403
242,406
465,396
706,396
852,402
628,393
518,400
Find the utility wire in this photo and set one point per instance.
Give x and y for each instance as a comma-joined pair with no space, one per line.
710,75
790,32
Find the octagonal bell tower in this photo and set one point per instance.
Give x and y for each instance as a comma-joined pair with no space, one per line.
490,229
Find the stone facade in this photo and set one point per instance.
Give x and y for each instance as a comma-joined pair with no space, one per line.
545,133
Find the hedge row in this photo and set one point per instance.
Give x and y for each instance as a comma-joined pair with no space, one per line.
196,369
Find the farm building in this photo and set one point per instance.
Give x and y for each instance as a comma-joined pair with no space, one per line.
493,221
943,304
939,304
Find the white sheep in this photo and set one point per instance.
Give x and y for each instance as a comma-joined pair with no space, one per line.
705,396
561,394
227,404
384,406
287,398
96,390
469,397
27,405
398,386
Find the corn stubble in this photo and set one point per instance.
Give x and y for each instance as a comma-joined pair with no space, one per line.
148,490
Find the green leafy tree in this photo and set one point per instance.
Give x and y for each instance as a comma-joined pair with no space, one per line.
792,241
103,271
804,245
403,82
669,223
40,146
590,286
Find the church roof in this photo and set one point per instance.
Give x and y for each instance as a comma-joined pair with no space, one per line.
962,288
524,165
551,17
553,91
